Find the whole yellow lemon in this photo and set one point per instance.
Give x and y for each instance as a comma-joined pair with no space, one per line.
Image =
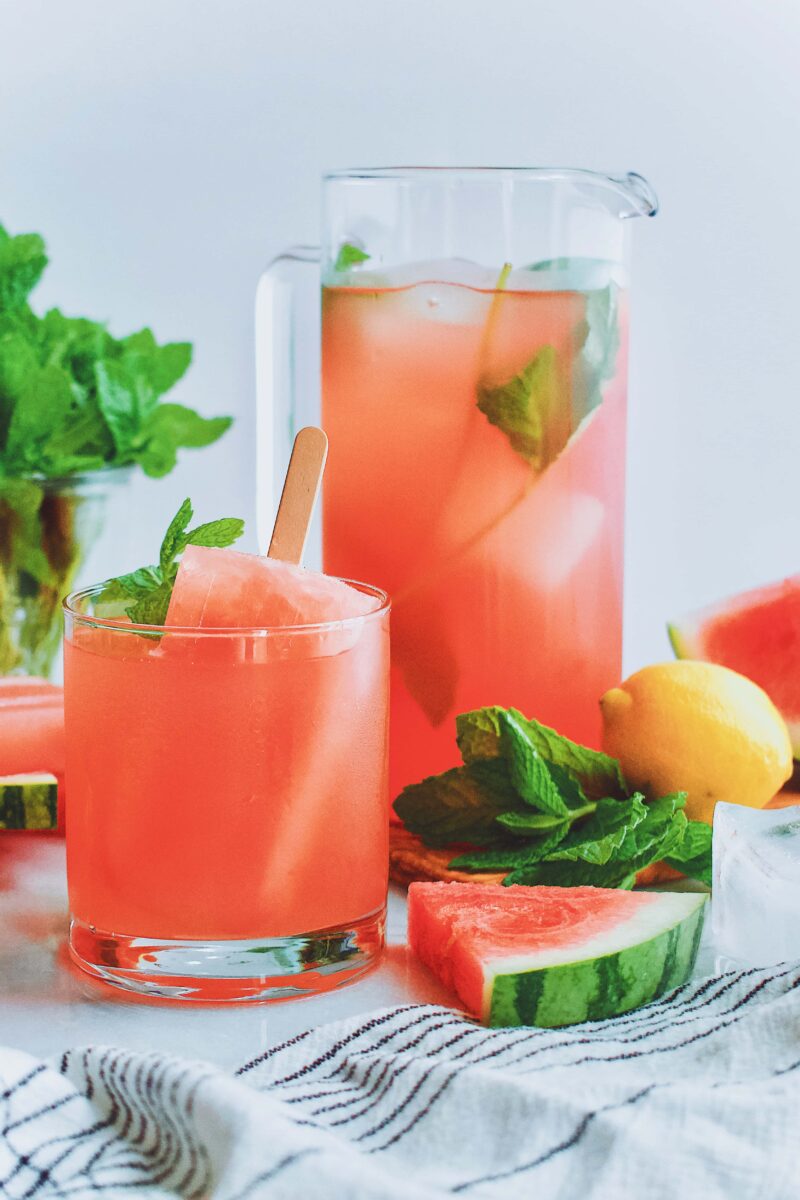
698,728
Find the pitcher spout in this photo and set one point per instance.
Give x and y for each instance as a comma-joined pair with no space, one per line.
635,197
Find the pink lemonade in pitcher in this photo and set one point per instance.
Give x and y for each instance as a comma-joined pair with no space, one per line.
476,471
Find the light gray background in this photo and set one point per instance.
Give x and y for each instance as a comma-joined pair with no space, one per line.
168,148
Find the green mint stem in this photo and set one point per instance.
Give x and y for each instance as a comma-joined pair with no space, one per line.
584,811
502,278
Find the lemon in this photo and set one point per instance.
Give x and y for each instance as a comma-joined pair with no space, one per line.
698,728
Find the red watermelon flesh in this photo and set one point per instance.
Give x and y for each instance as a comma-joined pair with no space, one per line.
549,955
756,633
31,726
222,589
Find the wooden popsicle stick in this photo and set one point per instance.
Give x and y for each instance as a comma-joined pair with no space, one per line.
299,496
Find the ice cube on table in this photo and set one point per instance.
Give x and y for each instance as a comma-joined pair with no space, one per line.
31,726
755,905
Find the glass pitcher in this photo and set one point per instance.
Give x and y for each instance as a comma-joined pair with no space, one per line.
474,328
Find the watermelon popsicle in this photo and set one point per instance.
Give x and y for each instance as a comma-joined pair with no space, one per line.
224,589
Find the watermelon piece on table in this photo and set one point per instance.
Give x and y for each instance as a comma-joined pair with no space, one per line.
224,589
31,726
553,956
756,633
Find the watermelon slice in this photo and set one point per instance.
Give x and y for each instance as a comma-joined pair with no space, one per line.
756,633
553,956
223,589
31,726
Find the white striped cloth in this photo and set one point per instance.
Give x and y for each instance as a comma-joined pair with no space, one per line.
696,1096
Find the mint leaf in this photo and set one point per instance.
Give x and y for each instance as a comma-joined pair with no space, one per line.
22,261
151,587
349,256
43,403
151,609
20,506
162,366
511,858
527,769
651,839
83,442
528,824
597,361
218,534
529,409
170,427
692,856
460,805
478,734
599,838
662,829
173,538
542,406
123,400
612,874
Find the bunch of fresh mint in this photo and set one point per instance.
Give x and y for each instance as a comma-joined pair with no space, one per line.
548,811
73,400
145,594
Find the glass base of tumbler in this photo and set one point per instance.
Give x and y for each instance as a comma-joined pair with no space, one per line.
218,971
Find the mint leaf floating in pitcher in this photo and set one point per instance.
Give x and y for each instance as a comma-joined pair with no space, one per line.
525,408
349,256
149,589
546,810
541,407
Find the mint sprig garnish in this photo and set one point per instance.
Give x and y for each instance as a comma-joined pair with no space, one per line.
542,406
547,810
150,588
349,256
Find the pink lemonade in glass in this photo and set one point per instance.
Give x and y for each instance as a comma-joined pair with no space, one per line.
227,800
487,427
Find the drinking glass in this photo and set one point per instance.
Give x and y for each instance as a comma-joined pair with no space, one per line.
227,830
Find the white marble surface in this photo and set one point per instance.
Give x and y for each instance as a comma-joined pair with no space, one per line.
47,1005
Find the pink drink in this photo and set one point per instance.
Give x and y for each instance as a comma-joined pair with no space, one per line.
505,574
229,784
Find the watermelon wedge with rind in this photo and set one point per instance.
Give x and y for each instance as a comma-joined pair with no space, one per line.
756,633
551,956
224,589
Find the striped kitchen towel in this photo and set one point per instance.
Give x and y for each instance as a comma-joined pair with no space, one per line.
696,1096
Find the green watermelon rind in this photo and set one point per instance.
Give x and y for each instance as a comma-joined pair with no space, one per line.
28,802
596,989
